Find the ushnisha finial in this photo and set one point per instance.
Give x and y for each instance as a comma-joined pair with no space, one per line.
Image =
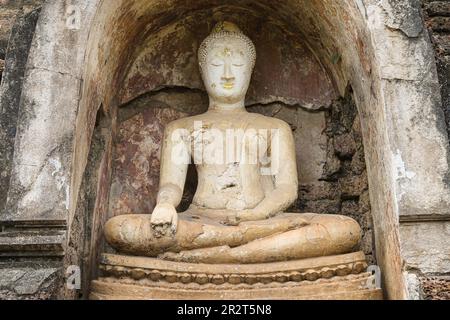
226,26
221,32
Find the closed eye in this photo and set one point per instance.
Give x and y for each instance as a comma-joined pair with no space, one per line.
217,64
238,64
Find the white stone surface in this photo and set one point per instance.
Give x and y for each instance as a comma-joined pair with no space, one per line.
426,246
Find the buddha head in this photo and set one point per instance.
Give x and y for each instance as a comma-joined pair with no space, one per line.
227,58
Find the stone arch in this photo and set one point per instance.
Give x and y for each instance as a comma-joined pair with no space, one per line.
378,48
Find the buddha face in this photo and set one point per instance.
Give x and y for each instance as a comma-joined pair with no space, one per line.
227,70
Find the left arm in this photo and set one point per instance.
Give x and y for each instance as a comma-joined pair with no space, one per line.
284,166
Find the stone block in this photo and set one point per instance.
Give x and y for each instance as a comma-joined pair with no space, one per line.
364,201
310,144
350,208
414,286
353,186
437,8
332,164
442,42
324,206
367,245
439,24
358,164
319,190
9,276
425,246
32,243
33,280
436,288
404,16
27,282
344,146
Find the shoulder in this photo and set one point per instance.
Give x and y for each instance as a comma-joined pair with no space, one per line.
270,122
182,123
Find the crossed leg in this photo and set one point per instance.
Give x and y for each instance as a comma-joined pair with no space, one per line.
201,240
133,234
323,235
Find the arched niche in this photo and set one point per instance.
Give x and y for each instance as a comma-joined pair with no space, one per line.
358,44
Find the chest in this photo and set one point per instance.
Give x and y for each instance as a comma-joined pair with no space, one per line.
229,133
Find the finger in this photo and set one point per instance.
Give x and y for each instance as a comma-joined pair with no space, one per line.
156,223
174,225
157,232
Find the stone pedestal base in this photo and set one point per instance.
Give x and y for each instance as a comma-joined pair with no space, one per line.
335,277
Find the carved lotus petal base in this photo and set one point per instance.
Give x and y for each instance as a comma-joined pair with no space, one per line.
334,277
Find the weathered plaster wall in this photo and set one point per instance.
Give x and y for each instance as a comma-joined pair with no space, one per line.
10,93
286,70
19,277
10,11
33,236
17,24
137,153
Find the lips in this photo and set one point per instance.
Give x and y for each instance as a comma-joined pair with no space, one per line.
228,85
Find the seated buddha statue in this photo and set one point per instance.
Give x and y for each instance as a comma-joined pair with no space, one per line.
247,179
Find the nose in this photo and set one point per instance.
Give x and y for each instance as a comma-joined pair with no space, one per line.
227,72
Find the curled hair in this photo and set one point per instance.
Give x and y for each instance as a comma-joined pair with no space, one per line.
224,30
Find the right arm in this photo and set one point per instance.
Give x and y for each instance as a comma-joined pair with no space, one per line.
175,157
